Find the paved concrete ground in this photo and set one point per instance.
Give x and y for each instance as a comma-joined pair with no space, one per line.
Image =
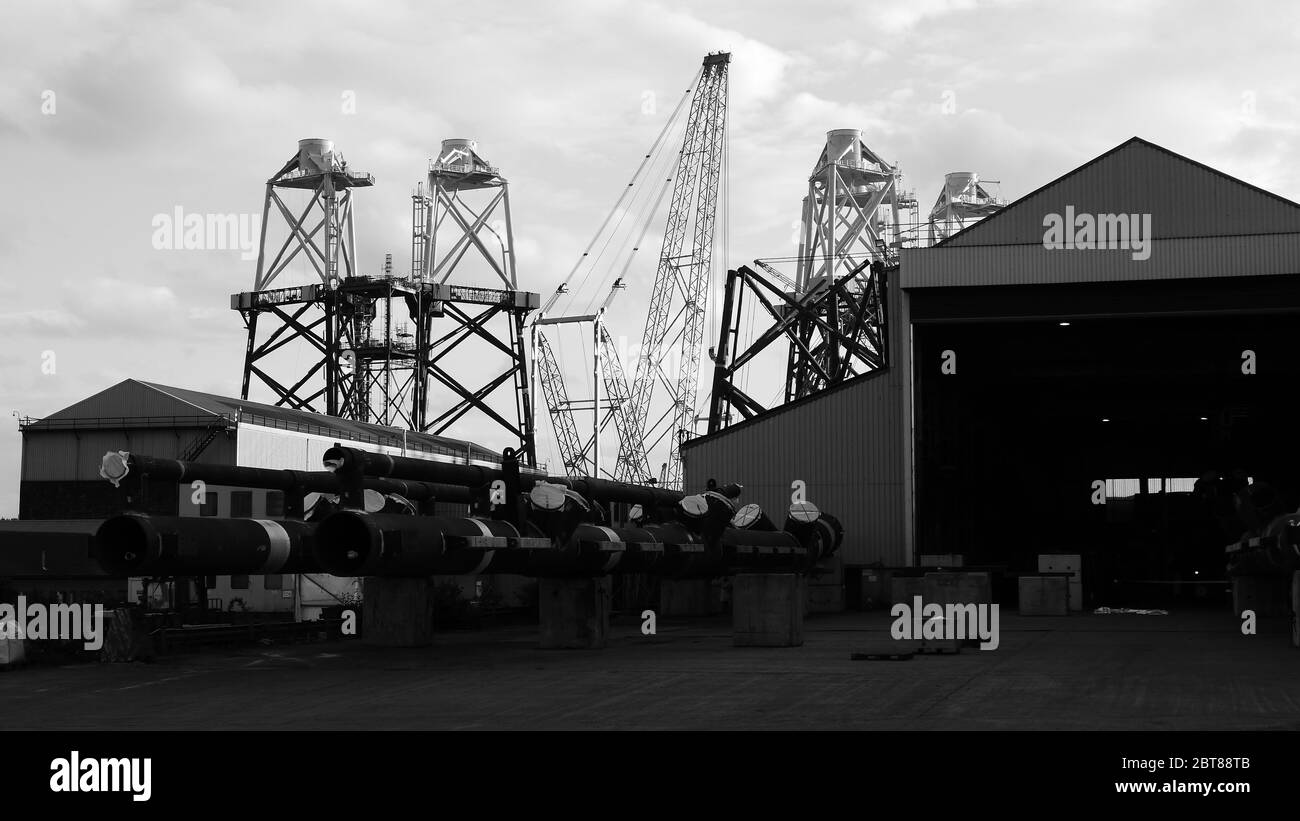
1181,671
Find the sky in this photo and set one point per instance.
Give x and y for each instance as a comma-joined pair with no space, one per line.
113,113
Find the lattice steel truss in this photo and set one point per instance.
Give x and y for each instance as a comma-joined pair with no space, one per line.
856,331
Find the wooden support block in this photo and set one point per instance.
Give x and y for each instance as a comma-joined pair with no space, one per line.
397,612
574,613
767,609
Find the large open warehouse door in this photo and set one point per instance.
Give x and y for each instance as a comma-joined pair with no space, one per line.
1077,419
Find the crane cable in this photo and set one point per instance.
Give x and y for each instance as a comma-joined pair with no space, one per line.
650,215
654,149
667,162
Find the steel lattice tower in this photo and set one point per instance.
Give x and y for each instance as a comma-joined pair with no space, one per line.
462,230
832,315
323,319
964,201
850,220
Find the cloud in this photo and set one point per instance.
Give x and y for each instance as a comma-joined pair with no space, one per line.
39,320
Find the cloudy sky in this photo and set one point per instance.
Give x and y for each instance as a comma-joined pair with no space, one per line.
114,112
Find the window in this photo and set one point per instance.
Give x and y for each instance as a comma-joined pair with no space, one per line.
209,506
273,581
210,582
274,504
241,504
1171,485
1122,488
239,582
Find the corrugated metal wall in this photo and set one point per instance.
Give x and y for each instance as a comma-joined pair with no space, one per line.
1267,255
850,446
67,455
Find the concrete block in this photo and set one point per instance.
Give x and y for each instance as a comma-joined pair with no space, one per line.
767,609
1044,596
397,612
826,587
574,613
957,588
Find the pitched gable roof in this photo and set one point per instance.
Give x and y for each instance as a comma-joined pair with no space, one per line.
1185,199
146,404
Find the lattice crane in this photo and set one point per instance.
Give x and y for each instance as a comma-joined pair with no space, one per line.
606,370
681,281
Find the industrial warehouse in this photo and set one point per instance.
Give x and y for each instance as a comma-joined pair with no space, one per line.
956,462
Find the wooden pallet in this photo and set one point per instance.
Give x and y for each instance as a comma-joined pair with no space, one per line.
940,648
895,655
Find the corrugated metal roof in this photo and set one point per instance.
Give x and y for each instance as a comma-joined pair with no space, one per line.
1185,198
1202,223
135,404
129,399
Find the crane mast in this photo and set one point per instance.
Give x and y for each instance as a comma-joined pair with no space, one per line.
695,192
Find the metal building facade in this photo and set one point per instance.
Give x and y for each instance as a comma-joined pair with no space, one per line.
850,446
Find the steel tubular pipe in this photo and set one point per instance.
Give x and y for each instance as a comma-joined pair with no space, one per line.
355,543
321,481
351,461
136,544
759,551
603,490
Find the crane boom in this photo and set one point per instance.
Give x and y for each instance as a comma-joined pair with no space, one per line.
695,192
557,403
631,450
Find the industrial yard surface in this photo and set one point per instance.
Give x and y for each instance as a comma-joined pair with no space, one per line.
1186,671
